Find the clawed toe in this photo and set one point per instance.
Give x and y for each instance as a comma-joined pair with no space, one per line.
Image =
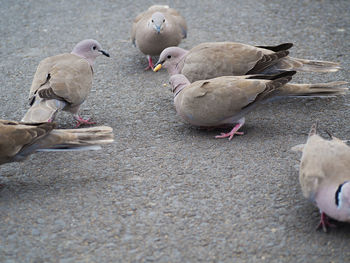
81,121
324,223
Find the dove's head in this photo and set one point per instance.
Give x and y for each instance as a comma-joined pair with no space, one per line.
157,22
89,49
342,197
170,58
178,82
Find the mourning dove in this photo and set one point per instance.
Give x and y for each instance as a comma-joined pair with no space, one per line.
18,140
324,177
157,28
227,99
63,82
215,59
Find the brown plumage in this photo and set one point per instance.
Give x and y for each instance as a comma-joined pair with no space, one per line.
227,99
157,28
66,78
63,82
18,140
324,176
215,59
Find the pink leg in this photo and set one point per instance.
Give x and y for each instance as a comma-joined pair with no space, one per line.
80,121
324,222
232,132
150,63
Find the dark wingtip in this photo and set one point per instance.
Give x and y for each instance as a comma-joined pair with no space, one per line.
289,45
286,74
280,47
281,74
329,134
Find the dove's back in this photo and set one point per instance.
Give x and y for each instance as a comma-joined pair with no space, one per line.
60,82
323,163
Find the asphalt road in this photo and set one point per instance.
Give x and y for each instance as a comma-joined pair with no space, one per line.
165,191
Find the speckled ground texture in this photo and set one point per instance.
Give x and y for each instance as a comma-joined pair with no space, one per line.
165,191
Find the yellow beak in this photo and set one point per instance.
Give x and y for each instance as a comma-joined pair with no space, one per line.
157,68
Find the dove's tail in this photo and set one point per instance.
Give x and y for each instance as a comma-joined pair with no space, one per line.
49,139
330,89
298,64
43,110
313,129
76,139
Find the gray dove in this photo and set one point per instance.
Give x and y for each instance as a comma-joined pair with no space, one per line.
324,177
226,100
157,28
63,82
18,140
215,59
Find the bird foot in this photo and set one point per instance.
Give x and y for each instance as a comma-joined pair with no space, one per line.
324,222
81,121
150,63
233,132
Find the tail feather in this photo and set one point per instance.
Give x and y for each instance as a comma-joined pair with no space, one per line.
313,129
43,110
314,90
64,148
77,138
298,64
70,140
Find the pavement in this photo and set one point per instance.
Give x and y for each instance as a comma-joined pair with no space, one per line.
166,191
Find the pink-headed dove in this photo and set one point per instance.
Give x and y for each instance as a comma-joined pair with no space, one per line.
226,100
157,28
215,59
63,82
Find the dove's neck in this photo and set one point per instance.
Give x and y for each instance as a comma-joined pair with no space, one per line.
91,60
179,87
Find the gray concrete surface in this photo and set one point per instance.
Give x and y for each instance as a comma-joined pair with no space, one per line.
165,191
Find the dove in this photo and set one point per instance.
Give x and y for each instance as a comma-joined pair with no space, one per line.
18,140
216,59
324,176
226,100
157,28
63,82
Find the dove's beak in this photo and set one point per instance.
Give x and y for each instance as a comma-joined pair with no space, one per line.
104,53
157,67
157,29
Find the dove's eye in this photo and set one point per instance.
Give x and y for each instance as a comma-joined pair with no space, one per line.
169,56
94,47
152,20
163,20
